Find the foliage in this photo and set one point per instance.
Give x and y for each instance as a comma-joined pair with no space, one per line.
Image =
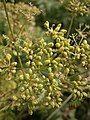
36,73
55,11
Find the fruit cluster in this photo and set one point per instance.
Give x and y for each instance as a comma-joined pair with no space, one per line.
39,72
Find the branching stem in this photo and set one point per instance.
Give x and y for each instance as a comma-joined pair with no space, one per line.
71,23
5,8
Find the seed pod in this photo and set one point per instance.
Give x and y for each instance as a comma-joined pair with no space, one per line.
64,54
67,70
83,83
78,56
54,37
58,27
49,69
55,66
75,90
14,63
8,57
13,71
14,53
79,82
63,31
57,45
39,63
47,61
50,75
52,104
28,63
57,105
72,71
83,63
46,103
27,76
43,77
38,57
21,77
75,83
58,40
84,93
27,91
22,89
45,51
31,57
78,49
33,63
75,96
71,48
60,65
23,96
51,44
82,50
1,70
14,97
85,42
50,49
54,62
30,71
78,93
49,98
79,77
61,49
40,53
40,86
46,24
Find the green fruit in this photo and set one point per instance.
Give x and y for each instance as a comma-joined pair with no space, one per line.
64,54
47,61
30,71
57,45
54,62
27,76
21,77
51,44
77,49
50,75
8,57
67,70
85,42
49,69
46,24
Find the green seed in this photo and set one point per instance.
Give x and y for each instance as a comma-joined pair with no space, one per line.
57,45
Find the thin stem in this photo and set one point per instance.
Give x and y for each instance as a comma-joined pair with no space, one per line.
21,115
71,23
5,108
81,41
21,65
5,8
57,110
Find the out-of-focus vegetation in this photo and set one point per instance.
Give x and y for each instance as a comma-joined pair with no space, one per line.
44,75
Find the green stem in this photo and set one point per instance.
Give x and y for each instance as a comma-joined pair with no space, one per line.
21,65
71,23
57,110
5,8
